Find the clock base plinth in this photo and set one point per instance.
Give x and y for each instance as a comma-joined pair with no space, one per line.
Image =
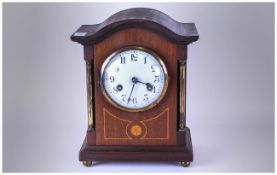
178,153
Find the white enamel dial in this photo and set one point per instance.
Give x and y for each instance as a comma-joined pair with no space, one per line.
134,79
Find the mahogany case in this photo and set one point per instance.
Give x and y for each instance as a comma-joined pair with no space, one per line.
165,136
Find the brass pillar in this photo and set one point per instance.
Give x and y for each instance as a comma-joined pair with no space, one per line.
89,94
182,95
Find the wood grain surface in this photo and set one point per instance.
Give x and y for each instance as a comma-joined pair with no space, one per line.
164,130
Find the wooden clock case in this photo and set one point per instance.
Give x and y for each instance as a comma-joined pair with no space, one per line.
164,134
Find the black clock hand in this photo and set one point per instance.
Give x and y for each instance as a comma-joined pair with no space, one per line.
148,85
141,82
129,99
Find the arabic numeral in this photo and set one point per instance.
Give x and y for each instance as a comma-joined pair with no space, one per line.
112,79
134,57
117,69
157,79
145,98
153,68
123,97
115,91
134,100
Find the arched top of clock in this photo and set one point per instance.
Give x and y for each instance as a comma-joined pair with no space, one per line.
137,17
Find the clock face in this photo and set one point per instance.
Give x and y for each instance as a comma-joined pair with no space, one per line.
134,79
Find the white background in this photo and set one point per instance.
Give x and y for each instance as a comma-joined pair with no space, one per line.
230,87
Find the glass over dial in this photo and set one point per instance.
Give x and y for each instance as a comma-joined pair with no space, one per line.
134,79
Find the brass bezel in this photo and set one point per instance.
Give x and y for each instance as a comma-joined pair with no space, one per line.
107,61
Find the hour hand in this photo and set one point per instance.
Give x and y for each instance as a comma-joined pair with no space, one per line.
149,86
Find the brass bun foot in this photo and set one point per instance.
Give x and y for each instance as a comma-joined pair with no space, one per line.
87,163
185,164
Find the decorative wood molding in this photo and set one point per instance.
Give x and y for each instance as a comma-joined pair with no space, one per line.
139,18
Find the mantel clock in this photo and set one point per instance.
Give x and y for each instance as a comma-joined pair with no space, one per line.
136,87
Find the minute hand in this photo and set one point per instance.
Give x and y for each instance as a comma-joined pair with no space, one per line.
129,99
